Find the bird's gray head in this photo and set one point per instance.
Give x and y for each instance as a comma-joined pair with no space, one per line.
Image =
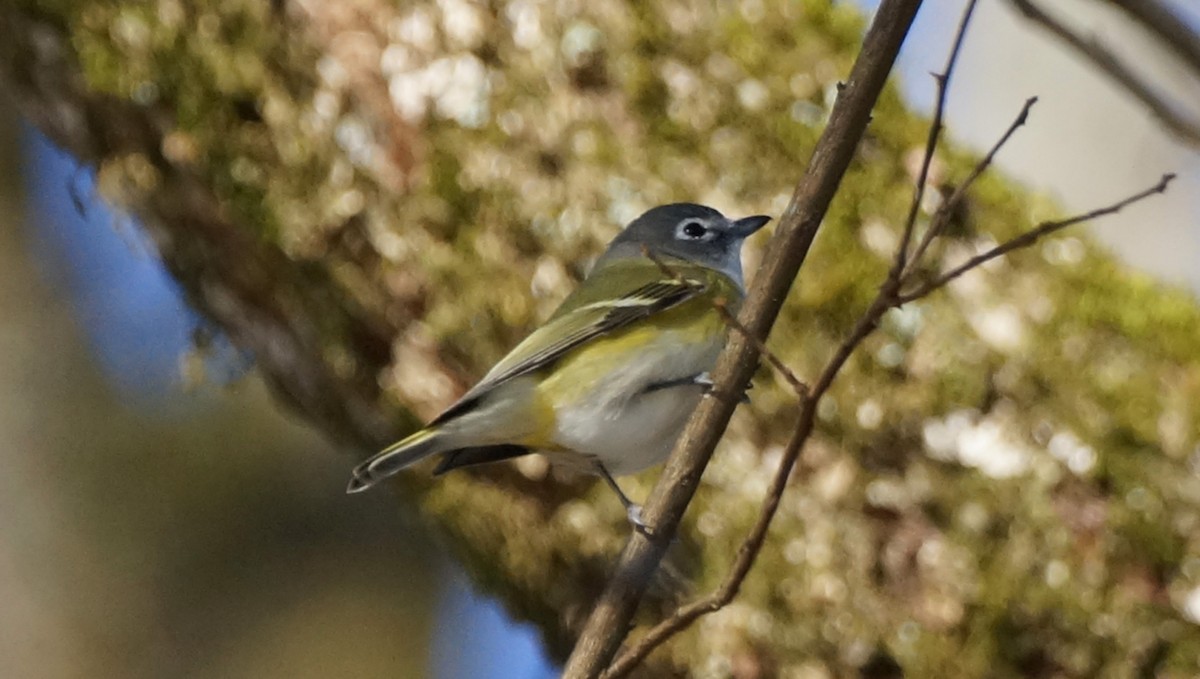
693,233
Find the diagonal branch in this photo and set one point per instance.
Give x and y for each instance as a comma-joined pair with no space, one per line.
752,545
888,297
886,300
1029,238
944,212
609,621
722,308
749,549
1103,58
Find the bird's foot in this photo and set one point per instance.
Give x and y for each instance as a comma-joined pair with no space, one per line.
634,512
705,380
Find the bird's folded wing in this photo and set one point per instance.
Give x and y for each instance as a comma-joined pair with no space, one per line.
570,328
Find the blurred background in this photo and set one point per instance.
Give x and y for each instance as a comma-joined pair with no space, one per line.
237,535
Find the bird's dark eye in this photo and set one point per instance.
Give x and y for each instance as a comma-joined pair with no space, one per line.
694,230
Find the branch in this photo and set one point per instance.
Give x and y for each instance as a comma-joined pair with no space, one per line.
1030,237
748,551
935,133
722,308
797,385
750,548
610,619
888,297
943,214
884,301
1108,62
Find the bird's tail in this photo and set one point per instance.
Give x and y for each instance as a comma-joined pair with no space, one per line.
395,457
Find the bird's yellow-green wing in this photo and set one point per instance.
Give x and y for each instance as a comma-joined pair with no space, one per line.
613,298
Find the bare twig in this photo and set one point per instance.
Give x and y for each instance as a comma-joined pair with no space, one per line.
888,297
609,621
722,307
1160,106
797,385
942,216
935,133
670,272
1029,238
750,548
748,551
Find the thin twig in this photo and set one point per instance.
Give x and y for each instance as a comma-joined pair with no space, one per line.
943,214
789,376
931,142
669,272
1160,106
1029,238
609,621
752,545
750,548
722,307
888,297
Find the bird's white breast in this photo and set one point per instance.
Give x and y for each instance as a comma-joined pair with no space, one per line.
616,421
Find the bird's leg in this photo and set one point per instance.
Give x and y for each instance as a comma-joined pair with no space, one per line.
699,379
632,509
705,380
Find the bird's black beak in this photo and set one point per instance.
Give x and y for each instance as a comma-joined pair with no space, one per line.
747,225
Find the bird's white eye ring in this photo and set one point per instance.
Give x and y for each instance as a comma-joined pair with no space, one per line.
693,230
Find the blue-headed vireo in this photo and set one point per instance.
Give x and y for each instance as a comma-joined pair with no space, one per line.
608,382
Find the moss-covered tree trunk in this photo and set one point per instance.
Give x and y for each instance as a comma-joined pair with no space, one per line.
379,200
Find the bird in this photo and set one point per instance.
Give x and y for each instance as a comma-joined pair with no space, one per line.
608,382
